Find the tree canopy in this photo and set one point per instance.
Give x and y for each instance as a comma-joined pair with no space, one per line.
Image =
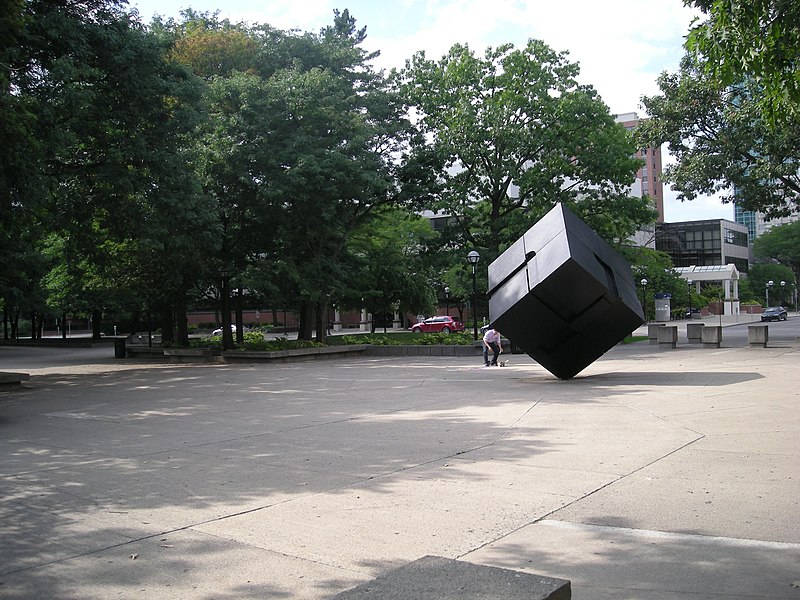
781,244
729,115
757,40
512,133
147,166
721,142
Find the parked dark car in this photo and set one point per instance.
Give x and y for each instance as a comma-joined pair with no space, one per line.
774,313
438,325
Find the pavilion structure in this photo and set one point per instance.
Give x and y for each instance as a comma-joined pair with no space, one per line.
728,275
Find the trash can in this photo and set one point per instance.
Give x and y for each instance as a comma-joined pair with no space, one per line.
119,348
663,306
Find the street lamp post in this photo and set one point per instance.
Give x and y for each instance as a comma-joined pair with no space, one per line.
472,258
447,300
644,298
770,283
690,298
783,293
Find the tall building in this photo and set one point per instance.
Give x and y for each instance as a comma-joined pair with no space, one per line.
648,179
648,182
756,222
748,219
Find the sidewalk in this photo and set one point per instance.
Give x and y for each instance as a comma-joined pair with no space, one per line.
653,475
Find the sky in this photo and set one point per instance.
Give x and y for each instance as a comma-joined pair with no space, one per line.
621,45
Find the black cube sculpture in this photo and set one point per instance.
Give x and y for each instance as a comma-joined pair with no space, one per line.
562,295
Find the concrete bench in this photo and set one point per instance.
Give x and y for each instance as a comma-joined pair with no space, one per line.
437,578
712,336
10,379
694,332
758,335
668,337
652,332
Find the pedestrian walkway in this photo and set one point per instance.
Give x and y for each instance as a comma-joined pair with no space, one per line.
653,475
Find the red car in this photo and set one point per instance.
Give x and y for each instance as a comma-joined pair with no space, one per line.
438,325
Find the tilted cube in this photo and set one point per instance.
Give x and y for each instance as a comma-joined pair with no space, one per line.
562,295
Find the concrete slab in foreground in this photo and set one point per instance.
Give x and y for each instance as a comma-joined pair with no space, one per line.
438,578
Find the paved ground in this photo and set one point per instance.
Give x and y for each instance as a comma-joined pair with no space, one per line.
654,474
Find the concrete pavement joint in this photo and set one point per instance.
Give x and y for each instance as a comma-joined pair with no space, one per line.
578,499
669,535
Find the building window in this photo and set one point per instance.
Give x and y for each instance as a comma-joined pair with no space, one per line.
736,238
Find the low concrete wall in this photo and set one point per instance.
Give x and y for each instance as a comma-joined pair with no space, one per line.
424,350
193,355
57,342
295,354
10,379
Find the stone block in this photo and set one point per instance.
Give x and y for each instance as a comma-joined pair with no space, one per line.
758,335
12,379
437,578
711,336
562,294
652,332
668,337
694,332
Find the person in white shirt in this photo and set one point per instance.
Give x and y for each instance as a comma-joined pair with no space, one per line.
491,341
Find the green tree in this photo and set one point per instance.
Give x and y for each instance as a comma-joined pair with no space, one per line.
394,273
510,135
781,244
757,40
761,274
108,115
339,134
721,142
656,267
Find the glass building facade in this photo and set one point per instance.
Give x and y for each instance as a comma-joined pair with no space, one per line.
708,242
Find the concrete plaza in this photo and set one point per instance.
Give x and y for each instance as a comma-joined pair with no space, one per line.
653,475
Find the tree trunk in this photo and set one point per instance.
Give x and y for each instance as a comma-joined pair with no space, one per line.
167,322
63,325
33,324
136,321
239,318
97,324
15,325
182,322
322,322
305,326
5,320
227,337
